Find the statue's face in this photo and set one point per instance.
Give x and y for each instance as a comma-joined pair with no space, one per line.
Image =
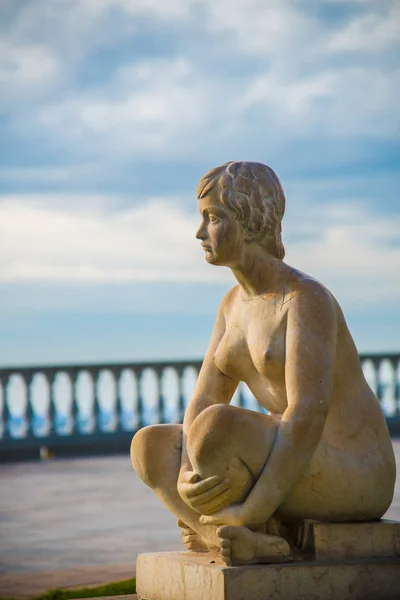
221,234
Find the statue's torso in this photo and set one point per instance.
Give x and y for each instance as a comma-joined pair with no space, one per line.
253,350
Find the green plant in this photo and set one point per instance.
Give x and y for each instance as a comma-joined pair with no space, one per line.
116,588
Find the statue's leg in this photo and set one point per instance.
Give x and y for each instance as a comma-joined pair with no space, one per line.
156,458
235,443
230,442
221,441
341,484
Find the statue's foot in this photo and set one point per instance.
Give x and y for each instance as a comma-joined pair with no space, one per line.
241,546
192,540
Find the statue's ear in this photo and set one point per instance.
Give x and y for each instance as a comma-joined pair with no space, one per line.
249,235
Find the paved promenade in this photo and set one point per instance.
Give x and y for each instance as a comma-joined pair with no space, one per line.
82,522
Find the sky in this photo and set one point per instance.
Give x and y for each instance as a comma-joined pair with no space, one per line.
110,113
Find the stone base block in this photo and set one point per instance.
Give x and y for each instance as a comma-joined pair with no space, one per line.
195,576
332,541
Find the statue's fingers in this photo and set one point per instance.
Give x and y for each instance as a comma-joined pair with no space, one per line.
214,507
210,494
196,489
194,477
189,537
190,477
213,504
211,520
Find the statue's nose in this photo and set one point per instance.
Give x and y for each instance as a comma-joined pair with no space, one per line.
201,233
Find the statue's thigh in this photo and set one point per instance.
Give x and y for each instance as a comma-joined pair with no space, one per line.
336,485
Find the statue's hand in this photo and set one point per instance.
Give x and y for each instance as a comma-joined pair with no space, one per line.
233,515
205,496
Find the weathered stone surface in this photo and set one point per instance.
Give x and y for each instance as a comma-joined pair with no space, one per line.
234,477
193,576
324,541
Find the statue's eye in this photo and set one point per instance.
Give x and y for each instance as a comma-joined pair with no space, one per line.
213,218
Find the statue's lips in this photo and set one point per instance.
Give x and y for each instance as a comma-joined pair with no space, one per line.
205,247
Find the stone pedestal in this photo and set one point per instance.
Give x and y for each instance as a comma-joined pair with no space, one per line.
193,576
325,541
351,561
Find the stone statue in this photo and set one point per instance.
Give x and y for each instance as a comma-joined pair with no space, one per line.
237,479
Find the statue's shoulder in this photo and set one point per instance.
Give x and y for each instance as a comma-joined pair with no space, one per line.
307,290
230,297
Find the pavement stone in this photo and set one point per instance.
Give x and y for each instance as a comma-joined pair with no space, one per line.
28,585
82,522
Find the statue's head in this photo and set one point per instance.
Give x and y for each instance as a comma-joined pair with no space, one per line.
255,195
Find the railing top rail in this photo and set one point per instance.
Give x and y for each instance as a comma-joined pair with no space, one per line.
110,366
380,356
141,365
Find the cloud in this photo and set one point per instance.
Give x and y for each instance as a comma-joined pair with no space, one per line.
244,68
278,28
171,9
350,247
50,174
266,28
369,33
27,72
148,108
338,102
354,250
154,242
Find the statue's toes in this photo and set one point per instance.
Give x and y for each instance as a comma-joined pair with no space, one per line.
225,545
228,532
227,557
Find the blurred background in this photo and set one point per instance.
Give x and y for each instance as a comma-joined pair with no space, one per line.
110,112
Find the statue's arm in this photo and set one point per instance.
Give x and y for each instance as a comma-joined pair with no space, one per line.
212,387
309,375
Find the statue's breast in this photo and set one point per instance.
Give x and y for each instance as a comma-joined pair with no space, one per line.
252,348
266,342
232,356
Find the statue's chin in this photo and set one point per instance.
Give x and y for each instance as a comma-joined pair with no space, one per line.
215,261
212,260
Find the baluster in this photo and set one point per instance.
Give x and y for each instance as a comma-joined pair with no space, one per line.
5,417
96,402
52,411
161,417
118,400
379,387
181,395
396,374
242,400
29,412
139,398
74,426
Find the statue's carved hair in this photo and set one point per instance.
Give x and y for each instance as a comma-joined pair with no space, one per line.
254,193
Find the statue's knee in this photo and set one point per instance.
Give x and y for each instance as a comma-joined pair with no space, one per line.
209,432
143,453
152,447
211,422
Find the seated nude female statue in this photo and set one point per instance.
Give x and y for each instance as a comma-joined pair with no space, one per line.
323,451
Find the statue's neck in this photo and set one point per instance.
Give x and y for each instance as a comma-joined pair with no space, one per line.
259,273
